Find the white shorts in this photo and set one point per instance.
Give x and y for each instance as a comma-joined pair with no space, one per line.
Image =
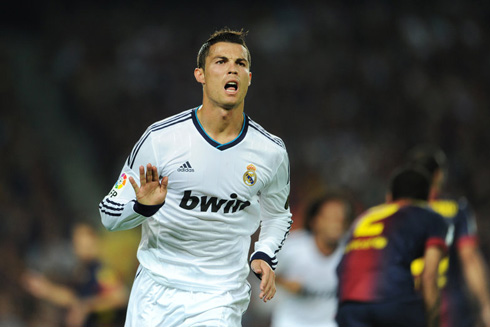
155,305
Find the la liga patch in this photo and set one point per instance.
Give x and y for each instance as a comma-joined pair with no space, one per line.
123,179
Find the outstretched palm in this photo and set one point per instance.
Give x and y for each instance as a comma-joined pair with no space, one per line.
152,191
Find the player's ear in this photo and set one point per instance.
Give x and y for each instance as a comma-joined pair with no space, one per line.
250,79
199,75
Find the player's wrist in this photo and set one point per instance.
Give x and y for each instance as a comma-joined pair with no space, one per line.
264,257
145,209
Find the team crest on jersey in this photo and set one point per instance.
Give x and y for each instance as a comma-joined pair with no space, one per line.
121,182
250,176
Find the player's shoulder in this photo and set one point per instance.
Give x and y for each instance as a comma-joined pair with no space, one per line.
425,209
449,208
261,133
170,122
414,209
380,210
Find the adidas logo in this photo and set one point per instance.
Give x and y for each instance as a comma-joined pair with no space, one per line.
186,168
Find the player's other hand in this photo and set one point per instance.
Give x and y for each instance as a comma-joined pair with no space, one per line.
268,279
152,191
290,285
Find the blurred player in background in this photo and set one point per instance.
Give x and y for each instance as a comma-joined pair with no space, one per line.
96,296
201,183
309,259
376,287
465,295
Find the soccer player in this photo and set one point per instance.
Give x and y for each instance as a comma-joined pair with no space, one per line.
201,183
95,296
308,266
464,296
376,287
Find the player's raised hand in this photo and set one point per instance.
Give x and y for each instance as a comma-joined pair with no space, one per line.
152,191
268,279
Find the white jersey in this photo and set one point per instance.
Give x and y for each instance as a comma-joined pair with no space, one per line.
301,261
218,195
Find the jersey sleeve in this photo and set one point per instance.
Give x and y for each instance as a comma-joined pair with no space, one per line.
465,225
119,209
275,215
439,235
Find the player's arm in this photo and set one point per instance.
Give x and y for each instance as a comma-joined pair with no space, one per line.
139,192
41,287
475,272
275,224
291,286
436,247
430,290
473,264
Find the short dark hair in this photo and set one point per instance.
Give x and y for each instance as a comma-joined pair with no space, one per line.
222,35
411,182
315,206
431,157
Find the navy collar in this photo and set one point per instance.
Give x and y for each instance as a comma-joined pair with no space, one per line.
212,142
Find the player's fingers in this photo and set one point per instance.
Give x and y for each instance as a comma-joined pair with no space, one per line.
262,296
267,296
269,287
272,291
164,183
149,173
134,184
269,292
265,285
263,282
154,173
142,176
263,288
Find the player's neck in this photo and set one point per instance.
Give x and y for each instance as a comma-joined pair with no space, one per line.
326,248
434,194
220,124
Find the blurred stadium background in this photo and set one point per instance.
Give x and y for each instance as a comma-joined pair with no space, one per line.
349,85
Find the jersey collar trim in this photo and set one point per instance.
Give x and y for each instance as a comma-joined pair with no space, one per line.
213,143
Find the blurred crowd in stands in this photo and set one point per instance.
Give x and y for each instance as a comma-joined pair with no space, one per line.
350,86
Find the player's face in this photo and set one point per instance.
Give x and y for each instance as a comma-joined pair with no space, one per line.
84,243
330,222
226,75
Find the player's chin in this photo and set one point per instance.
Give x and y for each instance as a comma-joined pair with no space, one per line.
230,105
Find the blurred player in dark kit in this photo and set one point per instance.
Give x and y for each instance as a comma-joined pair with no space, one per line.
465,299
376,287
96,295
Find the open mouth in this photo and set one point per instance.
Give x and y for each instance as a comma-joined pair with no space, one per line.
231,86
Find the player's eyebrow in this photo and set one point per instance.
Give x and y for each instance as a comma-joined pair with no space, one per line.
221,57
242,60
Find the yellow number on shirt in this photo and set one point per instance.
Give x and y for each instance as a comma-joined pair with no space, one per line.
371,225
